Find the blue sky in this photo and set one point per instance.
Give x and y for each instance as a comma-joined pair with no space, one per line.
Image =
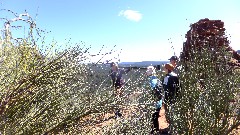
145,30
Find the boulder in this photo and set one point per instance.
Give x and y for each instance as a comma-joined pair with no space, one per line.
208,34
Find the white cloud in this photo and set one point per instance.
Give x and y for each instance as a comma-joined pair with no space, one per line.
131,15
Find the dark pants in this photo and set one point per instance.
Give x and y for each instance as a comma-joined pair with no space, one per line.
116,83
155,125
170,97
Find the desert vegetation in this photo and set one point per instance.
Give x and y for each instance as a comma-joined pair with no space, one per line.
46,91
49,90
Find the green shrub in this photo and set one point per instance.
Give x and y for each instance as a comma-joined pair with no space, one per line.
208,84
42,92
56,92
47,91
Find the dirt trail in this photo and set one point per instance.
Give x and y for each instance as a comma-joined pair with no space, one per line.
108,119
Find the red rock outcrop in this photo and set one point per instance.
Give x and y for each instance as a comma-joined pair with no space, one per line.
208,33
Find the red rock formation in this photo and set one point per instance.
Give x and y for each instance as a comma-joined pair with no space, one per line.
207,33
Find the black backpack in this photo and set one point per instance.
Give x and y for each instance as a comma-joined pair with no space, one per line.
171,88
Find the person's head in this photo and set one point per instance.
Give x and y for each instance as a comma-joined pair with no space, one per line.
173,60
150,71
114,66
168,68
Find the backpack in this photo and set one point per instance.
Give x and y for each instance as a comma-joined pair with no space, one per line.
171,87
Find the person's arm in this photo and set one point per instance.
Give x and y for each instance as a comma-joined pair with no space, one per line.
113,77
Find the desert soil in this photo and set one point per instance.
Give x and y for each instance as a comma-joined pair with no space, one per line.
108,119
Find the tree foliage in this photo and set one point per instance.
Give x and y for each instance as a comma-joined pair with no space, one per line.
208,87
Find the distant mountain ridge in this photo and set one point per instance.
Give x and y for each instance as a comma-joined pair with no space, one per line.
238,51
142,63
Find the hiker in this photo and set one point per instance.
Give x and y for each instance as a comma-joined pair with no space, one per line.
156,87
117,81
171,88
170,83
116,75
173,60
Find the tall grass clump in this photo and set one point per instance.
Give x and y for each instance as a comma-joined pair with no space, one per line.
52,89
45,91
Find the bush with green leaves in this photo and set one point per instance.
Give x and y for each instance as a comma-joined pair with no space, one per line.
208,87
47,91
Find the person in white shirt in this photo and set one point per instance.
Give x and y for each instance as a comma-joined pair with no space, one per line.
171,87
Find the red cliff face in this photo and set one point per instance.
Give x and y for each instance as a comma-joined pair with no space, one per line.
208,33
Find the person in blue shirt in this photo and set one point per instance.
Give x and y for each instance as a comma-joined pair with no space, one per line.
156,88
